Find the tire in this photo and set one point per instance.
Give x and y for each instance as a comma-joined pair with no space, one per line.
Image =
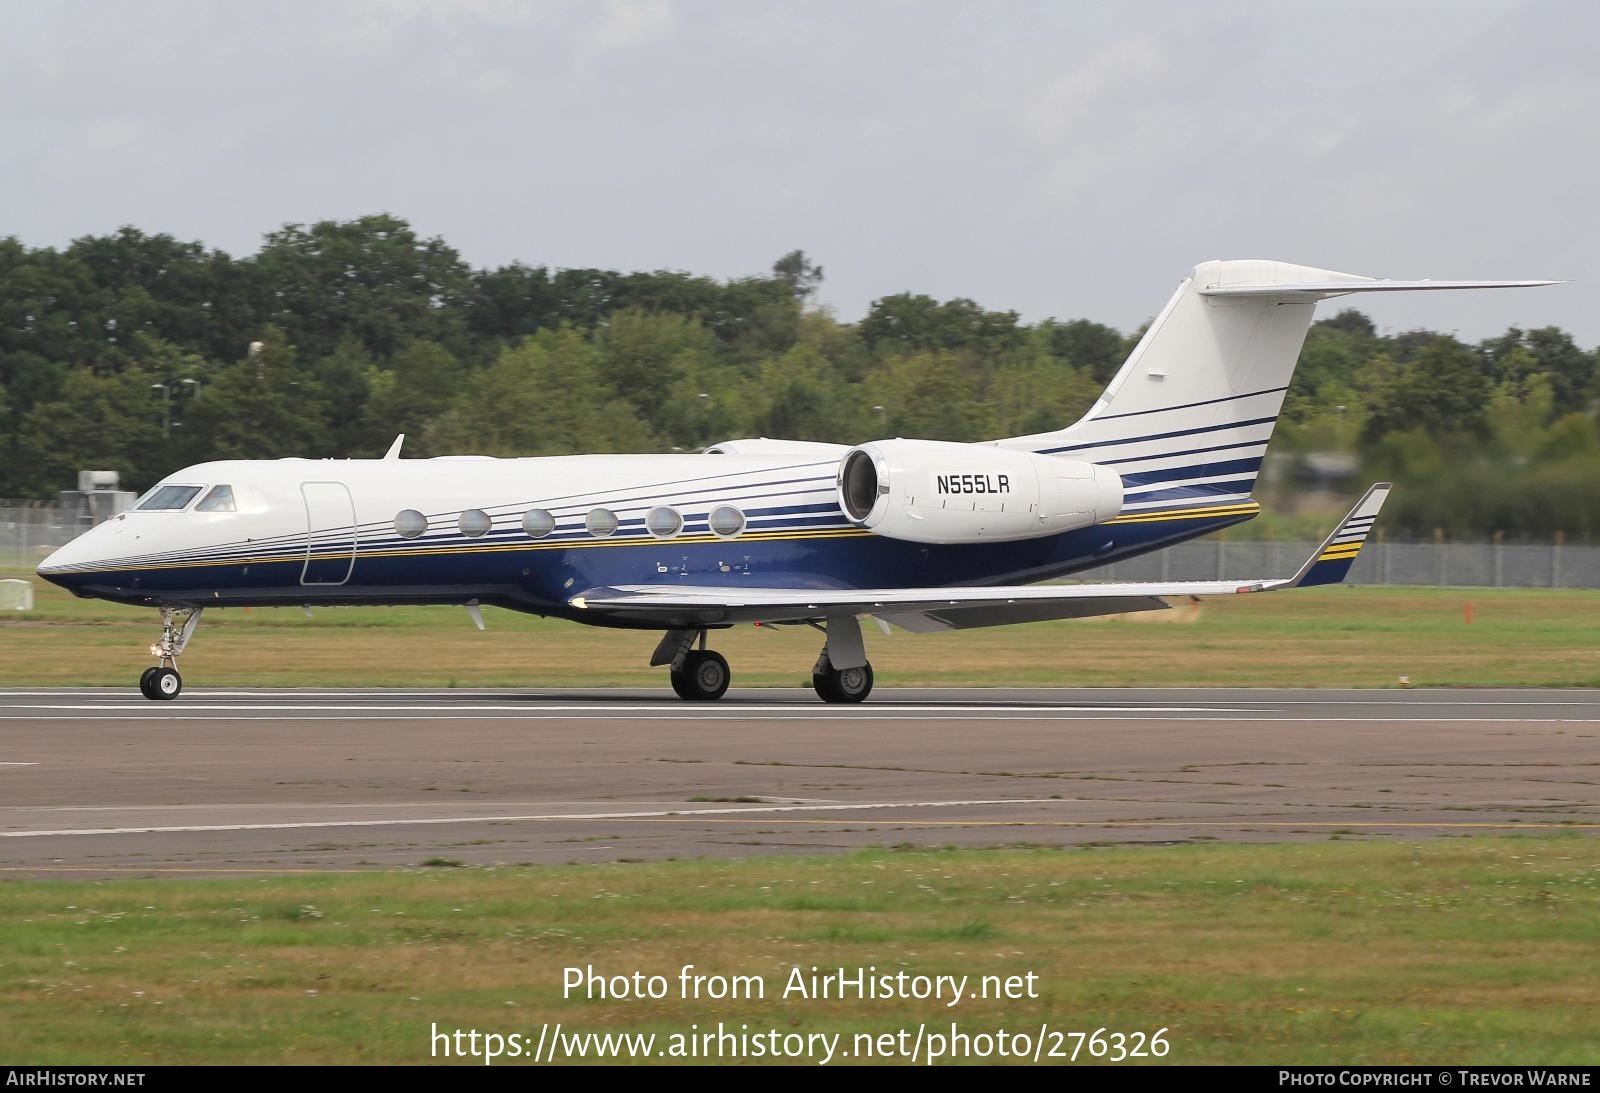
843,685
166,684
145,683
704,678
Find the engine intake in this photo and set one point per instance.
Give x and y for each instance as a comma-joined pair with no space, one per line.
927,491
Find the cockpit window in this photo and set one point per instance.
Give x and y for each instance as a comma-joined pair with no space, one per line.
169,497
220,499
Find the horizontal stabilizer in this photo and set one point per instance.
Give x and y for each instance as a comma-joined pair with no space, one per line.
1323,290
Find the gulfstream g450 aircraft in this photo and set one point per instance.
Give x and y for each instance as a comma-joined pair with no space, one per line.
922,534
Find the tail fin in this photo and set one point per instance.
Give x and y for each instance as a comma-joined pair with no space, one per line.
1187,418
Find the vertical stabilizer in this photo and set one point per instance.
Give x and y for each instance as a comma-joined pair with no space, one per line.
1187,418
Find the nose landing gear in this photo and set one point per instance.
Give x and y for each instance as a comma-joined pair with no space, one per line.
163,683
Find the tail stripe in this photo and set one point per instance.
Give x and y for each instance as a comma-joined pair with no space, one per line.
1162,436
1192,405
1262,444
1239,487
1194,470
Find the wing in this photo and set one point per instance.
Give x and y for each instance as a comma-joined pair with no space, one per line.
690,606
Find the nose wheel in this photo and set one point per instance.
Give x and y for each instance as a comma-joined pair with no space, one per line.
163,683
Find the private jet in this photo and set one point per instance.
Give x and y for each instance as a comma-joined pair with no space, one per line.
920,534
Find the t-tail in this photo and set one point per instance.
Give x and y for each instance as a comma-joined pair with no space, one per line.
1187,418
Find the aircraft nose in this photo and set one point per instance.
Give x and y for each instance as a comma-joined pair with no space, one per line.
74,557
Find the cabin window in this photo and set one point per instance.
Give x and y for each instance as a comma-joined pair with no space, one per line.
409,523
220,499
726,521
663,521
538,523
474,522
601,523
168,498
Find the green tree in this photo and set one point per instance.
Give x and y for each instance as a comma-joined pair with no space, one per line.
545,396
100,422
930,396
263,406
1096,349
372,278
802,276
645,356
1440,389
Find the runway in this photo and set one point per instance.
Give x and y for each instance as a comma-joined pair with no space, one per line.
97,783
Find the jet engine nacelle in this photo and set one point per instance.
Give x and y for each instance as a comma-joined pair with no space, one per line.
926,491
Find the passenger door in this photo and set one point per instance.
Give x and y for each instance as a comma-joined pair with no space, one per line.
330,533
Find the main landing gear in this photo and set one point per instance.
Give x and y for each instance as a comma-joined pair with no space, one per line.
841,673
704,676
163,683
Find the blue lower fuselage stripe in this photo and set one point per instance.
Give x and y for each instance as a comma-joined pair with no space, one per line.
545,575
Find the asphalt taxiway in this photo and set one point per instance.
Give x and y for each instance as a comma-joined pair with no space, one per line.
96,782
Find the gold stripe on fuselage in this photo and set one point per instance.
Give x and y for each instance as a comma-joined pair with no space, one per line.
1249,509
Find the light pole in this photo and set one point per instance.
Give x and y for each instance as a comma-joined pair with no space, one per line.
166,409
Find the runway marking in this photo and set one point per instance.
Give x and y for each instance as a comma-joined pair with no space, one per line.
688,818
645,700
821,715
18,764
630,709
551,817
774,814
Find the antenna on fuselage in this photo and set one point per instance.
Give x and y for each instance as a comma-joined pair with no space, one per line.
394,449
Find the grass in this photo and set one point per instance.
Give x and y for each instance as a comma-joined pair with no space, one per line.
1335,637
1451,951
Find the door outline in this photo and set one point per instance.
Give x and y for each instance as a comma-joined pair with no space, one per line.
334,498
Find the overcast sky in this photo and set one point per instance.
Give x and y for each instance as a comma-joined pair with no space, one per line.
1067,159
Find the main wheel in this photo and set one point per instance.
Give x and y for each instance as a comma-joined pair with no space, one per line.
166,684
146,680
704,677
843,684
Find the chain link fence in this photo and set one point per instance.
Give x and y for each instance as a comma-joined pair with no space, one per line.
29,531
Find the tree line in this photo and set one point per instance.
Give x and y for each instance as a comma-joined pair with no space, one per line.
142,353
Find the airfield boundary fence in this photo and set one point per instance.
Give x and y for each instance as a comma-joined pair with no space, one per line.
31,530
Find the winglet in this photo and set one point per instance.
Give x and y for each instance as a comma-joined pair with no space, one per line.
1333,559
394,449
